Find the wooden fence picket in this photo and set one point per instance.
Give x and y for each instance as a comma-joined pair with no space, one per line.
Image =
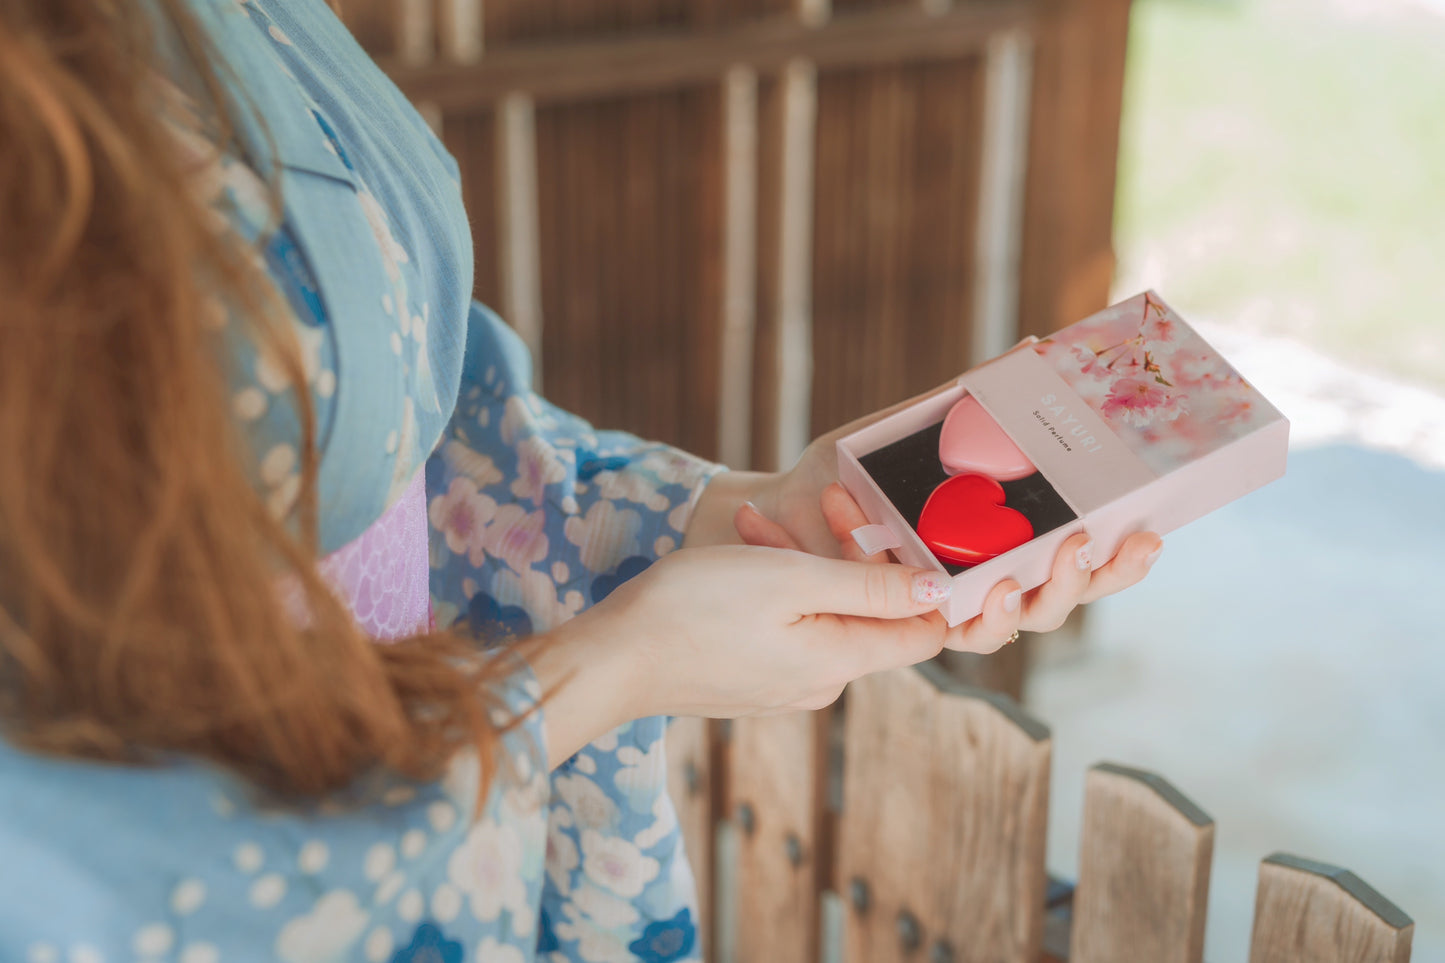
690,780
1143,887
776,804
941,839
1309,912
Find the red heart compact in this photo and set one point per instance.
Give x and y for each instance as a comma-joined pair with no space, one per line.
966,522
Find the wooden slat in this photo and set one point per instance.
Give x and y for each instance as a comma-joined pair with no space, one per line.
689,783
898,157
1144,863
1308,912
845,7
472,139
588,69
941,843
533,21
764,432
520,274
630,256
1067,260
374,23
776,789
740,163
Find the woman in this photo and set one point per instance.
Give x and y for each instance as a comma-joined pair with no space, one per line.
253,426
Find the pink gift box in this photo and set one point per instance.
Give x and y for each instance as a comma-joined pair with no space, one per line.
1130,417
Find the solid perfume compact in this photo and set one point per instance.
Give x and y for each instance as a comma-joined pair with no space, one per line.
1126,421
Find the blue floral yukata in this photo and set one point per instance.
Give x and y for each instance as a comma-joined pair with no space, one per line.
526,515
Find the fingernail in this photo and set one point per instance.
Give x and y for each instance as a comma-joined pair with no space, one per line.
1011,600
1083,558
929,589
753,507
1153,556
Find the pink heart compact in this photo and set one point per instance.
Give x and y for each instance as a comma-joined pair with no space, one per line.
972,441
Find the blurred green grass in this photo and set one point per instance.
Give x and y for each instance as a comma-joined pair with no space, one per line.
1282,167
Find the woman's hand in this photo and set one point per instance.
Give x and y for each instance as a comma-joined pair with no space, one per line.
742,630
1074,579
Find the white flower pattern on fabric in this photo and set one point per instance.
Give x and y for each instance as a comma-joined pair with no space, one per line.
605,535
589,805
325,932
641,775
616,864
487,869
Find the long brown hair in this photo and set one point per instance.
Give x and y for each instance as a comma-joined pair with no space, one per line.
139,610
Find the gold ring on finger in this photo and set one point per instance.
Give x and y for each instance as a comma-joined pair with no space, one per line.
1012,638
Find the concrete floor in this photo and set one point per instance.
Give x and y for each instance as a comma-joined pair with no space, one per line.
1283,664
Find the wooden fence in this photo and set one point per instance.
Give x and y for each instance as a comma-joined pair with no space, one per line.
934,849
734,224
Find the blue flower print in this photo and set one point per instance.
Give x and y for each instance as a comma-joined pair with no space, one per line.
590,464
429,945
332,139
546,938
630,567
494,623
288,265
667,940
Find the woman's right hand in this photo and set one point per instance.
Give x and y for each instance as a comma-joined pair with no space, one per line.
740,630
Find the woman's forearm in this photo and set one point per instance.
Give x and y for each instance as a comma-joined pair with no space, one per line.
590,670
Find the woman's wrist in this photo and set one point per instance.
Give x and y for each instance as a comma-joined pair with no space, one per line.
591,683
711,522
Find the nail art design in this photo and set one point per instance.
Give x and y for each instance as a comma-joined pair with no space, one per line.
1084,557
1011,601
931,589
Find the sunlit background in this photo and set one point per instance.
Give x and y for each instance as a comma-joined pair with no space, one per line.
1282,184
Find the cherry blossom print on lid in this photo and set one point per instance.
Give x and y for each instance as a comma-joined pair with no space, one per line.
966,522
1156,383
973,442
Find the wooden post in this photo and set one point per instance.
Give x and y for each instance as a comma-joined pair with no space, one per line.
415,32
1308,912
1077,97
519,270
1001,194
740,267
799,93
945,805
459,30
1143,871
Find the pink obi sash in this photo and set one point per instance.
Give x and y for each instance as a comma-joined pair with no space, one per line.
383,573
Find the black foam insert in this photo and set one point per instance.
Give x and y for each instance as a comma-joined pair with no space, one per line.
908,470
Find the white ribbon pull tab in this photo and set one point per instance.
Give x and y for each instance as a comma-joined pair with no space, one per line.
873,539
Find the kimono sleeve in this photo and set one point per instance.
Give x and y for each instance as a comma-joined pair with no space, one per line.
534,514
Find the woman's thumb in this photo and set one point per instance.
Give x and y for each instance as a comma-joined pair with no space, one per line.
874,591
